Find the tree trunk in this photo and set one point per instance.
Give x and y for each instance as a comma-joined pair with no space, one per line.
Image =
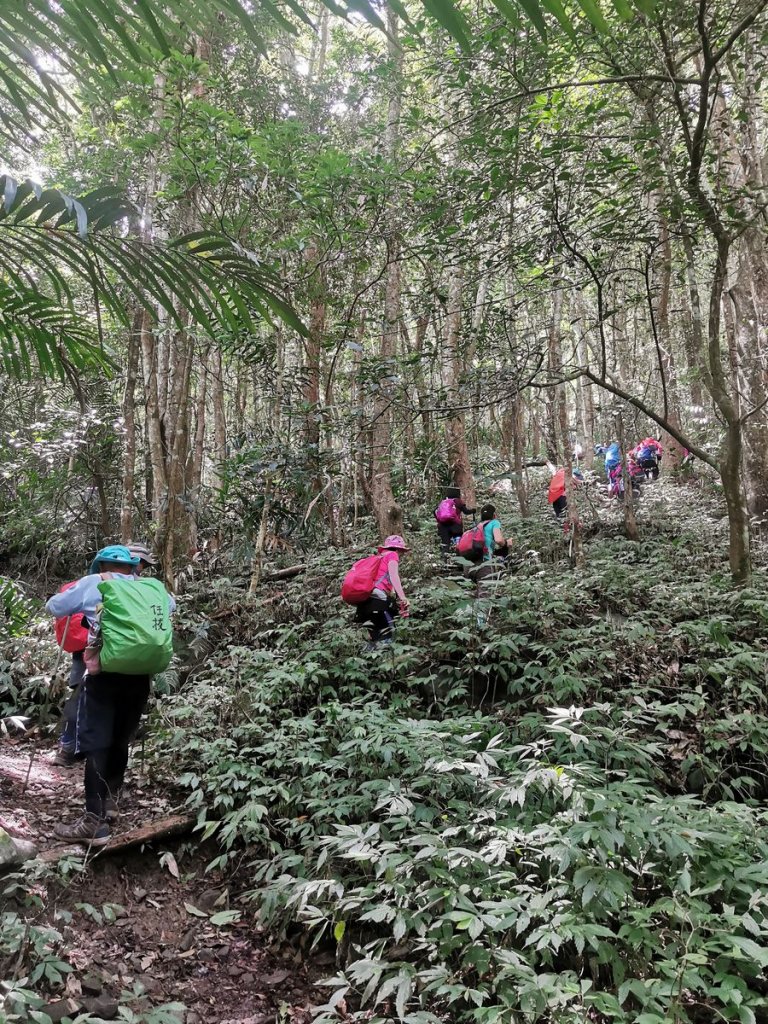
128,499
630,520
154,430
312,350
458,453
389,515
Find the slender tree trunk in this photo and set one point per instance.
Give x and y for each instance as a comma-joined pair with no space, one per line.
261,537
455,430
630,520
128,499
154,430
312,350
389,515
198,448
219,453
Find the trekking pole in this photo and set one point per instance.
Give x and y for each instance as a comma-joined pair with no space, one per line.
53,677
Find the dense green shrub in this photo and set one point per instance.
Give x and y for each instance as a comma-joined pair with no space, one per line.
559,814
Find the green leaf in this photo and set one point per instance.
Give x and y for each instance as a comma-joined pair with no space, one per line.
338,930
532,9
556,8
758,954
623,9
452,20
223,917
594,14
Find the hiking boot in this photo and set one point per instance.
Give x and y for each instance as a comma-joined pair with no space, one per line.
89,830
64,758
111,810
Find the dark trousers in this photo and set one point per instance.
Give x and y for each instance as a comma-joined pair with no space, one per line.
379,616
559,505
448,532
69,711
109,708
651,468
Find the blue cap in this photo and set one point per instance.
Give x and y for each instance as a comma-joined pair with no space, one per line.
114,553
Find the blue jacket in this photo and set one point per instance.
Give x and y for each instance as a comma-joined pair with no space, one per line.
85,597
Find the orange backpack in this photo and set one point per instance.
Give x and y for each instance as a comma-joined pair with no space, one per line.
71,630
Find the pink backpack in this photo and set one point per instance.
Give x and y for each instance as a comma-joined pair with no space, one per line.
471,544
446,511
361,579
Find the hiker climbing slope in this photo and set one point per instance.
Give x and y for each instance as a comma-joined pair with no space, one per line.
373,585
449,513
556,493
647,455
72,637
129,640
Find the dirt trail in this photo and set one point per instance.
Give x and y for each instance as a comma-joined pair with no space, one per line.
155,939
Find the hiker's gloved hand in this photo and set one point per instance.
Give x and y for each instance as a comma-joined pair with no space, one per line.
405,609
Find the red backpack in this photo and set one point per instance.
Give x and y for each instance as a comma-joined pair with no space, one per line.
446,511
361,579
471,544
74,638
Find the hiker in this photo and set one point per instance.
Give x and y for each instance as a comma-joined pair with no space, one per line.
146,559
130,630
448,514
72,636
486,545
612,453
556,494
616,479
386,600
647,455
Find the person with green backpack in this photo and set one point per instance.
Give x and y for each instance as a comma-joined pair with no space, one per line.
130,639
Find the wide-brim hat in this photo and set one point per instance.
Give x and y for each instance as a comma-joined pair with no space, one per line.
142,552
394,543
116,553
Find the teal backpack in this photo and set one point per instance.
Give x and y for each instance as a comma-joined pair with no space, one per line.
135,627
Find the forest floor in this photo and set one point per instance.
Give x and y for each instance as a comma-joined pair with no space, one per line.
136,924
161,935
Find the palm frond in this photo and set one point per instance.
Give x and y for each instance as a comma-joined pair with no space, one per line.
42,44
36,335
57,246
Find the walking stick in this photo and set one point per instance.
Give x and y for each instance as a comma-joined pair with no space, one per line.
53,677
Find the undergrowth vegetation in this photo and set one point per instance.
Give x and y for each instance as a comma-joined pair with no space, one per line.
557,815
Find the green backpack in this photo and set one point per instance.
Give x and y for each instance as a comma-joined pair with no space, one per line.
136,635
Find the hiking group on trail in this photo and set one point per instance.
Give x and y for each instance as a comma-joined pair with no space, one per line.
373,585
115,622
124,619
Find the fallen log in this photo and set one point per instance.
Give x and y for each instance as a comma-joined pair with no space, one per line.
163,828
284,574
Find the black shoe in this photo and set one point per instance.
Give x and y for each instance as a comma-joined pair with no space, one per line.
89,829
64,758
